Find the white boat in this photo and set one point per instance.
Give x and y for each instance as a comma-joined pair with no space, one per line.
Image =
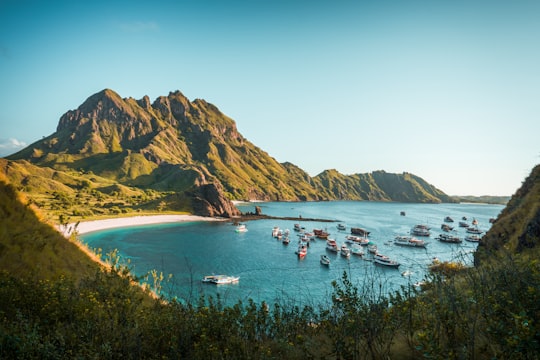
325,260
420,230
220,279
241,228
357,250
472,238
372,248
385,260
332,245
357,240
345,251
464,224
447,238
409,241
302,251
341,227
275,231
474,230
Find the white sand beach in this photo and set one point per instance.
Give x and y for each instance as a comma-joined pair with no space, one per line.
96,225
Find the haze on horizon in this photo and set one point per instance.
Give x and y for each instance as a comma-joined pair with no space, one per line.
447,91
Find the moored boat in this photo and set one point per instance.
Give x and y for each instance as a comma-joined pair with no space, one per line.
472,238
332,245
345,251
357,250
420,230
447,238
220,279
241,228
464,224
352,239
302,251
372,248
446,227
325,260
385,260
474,230
359,231
448,219
341,227
410,241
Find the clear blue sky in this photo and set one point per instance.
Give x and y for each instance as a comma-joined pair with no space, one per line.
447,90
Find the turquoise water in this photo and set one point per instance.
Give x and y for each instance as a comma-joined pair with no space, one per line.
271,271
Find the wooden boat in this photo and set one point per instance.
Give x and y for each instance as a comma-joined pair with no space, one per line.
359,231
446,227
472,238
447,238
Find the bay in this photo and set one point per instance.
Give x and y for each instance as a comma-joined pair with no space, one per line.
269,270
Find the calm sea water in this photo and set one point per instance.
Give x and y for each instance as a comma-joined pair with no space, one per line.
270,271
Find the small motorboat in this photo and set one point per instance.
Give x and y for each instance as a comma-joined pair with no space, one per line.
325,260
341,227
241,228
473,238
410,241
357,250
220,279
447,238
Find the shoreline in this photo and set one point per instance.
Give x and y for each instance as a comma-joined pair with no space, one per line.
85,227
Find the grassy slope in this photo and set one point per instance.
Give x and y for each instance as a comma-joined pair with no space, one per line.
31,248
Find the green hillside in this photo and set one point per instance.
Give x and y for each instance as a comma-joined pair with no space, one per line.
177,145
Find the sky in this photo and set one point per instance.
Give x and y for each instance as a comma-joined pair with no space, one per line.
446,90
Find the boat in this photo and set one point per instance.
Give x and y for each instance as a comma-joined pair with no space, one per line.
357,250
448,219
220,279
402,213
472,238
447,238
464,224
341,227
302,251
352,239
464,218
345,251
332,245
325,260
372,249
321,234
474,221
410,241
275,231
420,230
241,228
446,227
286,241
474,230
297,227
359,231
385,260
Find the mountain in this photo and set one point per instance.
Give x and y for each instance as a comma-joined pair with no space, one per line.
191,148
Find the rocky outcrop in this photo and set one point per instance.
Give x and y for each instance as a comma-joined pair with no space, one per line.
208,200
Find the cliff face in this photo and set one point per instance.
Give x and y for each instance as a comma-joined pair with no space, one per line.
174,144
